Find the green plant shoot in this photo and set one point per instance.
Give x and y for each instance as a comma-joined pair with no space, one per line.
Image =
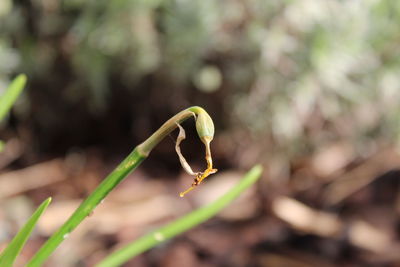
181,225
8,99
205,130
11,94
13,249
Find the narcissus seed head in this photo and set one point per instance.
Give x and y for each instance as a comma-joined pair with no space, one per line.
204,126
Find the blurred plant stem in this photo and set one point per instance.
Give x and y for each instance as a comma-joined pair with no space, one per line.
118,174
181,225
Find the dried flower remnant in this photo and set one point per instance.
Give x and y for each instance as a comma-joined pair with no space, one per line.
205,129
179,139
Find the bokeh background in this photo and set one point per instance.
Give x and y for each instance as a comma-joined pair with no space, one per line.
310,89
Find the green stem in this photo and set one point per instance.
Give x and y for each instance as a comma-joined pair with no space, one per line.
167,128
181,225
110,182
87,206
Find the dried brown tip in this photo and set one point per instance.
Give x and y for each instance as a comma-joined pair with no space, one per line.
206,136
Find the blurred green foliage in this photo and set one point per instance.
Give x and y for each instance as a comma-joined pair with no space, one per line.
297,74
13,249
9,97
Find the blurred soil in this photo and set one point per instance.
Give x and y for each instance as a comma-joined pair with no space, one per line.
333,208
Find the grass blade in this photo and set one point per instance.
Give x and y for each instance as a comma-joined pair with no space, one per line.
181,225
8,99
10,253
87,206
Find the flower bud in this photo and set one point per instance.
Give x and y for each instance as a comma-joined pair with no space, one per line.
205,127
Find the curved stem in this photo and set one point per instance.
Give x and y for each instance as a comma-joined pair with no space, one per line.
166,129
110,182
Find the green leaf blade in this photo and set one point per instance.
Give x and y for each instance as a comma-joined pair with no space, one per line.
1,145
14,248
182,224
87,206
8,99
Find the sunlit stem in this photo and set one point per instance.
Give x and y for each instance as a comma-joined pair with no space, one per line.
208,155
182,194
